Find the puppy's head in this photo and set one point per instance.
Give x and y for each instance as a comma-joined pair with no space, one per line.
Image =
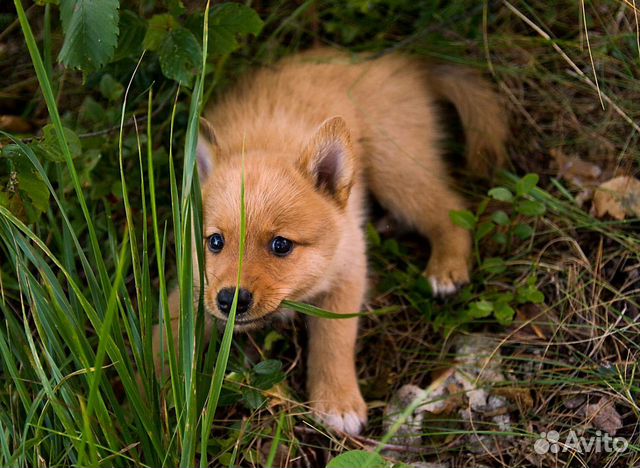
294,206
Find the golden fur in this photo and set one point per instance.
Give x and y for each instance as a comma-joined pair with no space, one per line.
317,130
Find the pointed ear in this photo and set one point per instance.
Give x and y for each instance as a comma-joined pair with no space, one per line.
329,161
206,149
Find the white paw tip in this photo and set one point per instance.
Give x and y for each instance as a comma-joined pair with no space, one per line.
349,423
442,288
352,424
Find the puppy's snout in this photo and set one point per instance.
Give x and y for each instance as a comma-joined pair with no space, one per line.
225,300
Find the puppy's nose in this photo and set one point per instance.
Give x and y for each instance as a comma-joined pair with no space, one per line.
225,300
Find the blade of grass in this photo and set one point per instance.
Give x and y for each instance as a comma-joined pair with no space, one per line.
47,92
103,335
275,443
213,396
185,267
314,311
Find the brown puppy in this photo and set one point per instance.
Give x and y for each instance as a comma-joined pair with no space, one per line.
317,131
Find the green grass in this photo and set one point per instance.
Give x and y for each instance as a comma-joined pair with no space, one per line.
83,282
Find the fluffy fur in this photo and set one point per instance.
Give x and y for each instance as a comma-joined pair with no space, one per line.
317,131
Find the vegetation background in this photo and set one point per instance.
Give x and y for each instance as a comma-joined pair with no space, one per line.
98,114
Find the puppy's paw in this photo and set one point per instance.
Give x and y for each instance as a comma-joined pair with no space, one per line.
446,275
345,413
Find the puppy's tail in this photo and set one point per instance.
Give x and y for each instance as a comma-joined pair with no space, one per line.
483,118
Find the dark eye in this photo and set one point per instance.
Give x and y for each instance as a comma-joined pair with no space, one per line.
215,242
281,246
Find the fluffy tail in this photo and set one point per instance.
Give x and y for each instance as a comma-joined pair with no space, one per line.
483,118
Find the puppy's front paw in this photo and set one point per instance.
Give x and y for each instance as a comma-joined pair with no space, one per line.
345,412
447,274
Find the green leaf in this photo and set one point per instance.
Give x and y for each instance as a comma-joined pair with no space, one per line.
530,208
500,238
180,56
494,265
504,313
271,338
531,294
480,309
373,236
253,398
482,206
90,33
358,459
265,382
463,218
33,187
51,147
501,194
228,20
523,231
177,47
392,246
267,367
484,305
484,229
176,7
500,218
159,27
132,32
110,88
525,185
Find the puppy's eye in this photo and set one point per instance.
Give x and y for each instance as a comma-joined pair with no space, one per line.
215,242
281,246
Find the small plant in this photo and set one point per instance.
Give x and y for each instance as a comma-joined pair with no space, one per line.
512,221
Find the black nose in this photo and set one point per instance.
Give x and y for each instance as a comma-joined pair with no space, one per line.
225,299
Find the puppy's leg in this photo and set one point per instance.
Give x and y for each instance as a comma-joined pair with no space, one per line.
332,381
419,194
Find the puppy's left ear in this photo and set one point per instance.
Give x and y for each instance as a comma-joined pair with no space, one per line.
206,150
329,161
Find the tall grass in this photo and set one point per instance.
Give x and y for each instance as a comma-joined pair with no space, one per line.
80,327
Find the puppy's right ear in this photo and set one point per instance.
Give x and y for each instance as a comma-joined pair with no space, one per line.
329,161
207,149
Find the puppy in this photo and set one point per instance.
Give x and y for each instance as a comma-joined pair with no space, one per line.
317,131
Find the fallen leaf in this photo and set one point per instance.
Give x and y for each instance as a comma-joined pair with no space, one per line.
14,124
575,170
603,415
618,197
519,395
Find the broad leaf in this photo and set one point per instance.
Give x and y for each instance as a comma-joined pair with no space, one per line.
267,367
159,27
226,21
90,32
180,56
494,265
177,47
51,148
132,32
526,184
504,314
530,208
501,193
463,218
358,459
